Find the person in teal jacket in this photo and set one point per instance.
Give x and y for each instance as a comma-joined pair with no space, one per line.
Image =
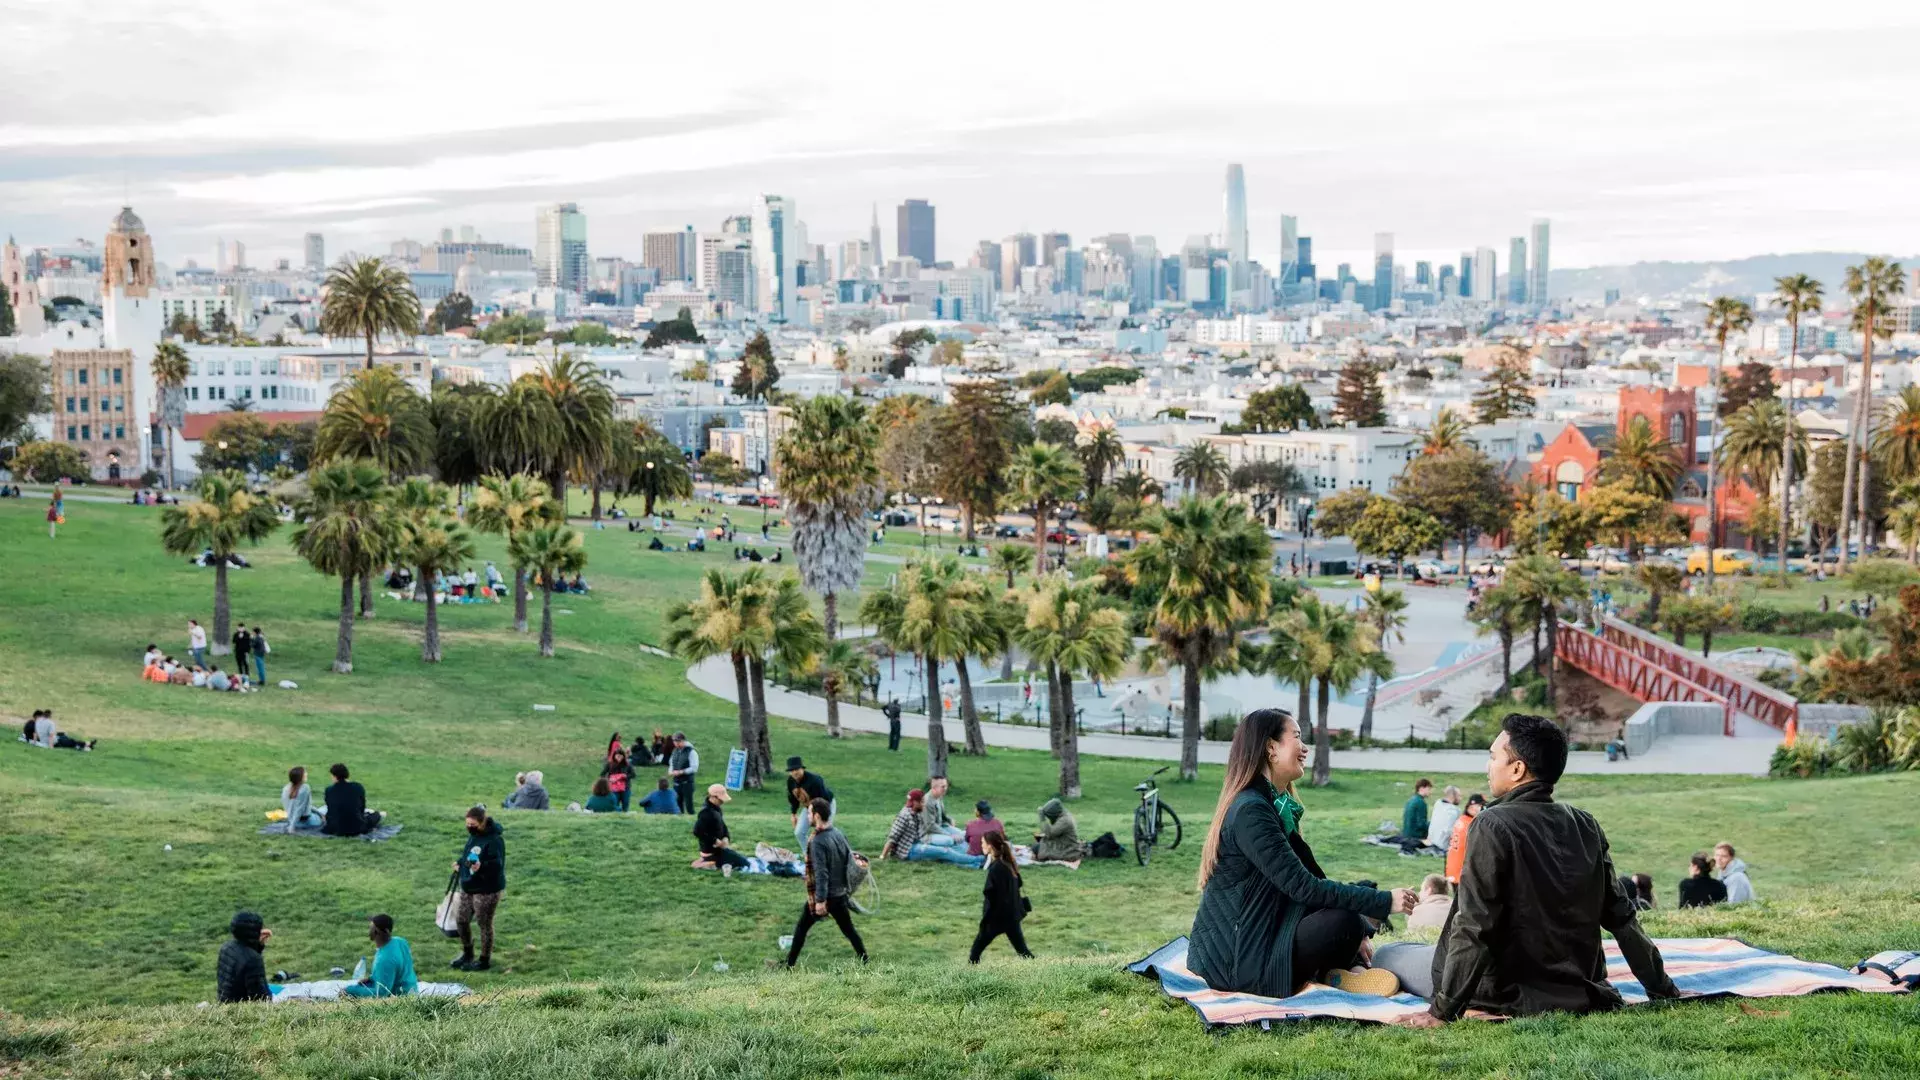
392,974
1413,817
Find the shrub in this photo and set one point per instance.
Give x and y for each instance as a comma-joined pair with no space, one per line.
1806,623
1883,576
1760,618
1805,758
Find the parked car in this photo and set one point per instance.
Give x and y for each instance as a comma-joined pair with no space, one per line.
1062,536
898,519
1725,561
1008,532
1431,569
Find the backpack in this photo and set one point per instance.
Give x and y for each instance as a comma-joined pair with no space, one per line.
1105,847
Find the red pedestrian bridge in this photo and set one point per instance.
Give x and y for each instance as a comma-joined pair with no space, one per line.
1650,668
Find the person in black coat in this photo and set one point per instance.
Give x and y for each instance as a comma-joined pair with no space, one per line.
347,813
241,974
1003,908
1269,919
1700,888
482,866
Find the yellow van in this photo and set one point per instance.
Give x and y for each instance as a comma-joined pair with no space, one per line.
1725,561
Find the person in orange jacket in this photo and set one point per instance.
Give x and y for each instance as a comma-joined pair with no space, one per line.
1457,844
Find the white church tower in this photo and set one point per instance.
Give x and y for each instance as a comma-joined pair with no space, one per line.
130,317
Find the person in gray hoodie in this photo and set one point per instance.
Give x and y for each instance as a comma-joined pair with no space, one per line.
1733,874
530,795
828,893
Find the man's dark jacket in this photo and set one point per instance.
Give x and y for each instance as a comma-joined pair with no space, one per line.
241,974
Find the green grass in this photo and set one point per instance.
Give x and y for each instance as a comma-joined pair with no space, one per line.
608,940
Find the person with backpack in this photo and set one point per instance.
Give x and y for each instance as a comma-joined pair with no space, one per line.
1002,908
828,891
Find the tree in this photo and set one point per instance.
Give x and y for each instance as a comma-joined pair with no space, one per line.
1638,519
1359,399
1827,491
1203,467
1314,644
1643,460
1542,584
725,621
169,368
1449,433
1703,614
972,449
548,551
1502,613
582,410
1897,443
903,345
514,329
25,391
377,417
1799,296
1874,285
1461,489
1069,630
48,462
1725,316
930,610
1751,382
1282,408
1548,523
1394,529
790,635
345,531
1661,580
455,412
1207,564
722,471
236,441
454,311
1054,391
829,469
517,429
1753,440
677,330
1386,616
842,665
657,470
1133,492
758,371
1337,514
7,325
1265,483
1100,452
366,299
1045,475
223,514
431,541
1507,391
508,506
1012,559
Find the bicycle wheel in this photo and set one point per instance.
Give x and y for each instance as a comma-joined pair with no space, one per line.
1142,835
1167,815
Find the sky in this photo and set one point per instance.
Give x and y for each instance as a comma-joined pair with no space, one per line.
1689,130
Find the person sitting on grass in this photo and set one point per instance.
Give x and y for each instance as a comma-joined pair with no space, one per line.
1445,813
602,800
199,677
219,680
1640,887
710,828
1537,889
1413,817
1457,846
241,973
1733,874
179,675
661,799
347,813
297,800
1059,837
907,842
934,823
1434,906
983,823
152,657
530,795
392,974
1698,888
41,731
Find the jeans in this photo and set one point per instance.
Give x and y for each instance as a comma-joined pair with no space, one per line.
803,829
260,668
936,853
683,791
1411,962
893,733
199,656
837,911
621,797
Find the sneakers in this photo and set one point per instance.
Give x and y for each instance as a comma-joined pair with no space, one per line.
1376,981
463,962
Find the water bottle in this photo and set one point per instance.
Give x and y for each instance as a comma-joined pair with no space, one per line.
360,970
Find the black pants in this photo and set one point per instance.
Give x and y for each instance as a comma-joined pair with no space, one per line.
836,910
893,733
1327,939
683,791
726,856
991,930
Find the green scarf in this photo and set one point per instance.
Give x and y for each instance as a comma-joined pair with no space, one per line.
1290,811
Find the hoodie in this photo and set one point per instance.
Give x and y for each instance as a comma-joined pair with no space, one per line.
483,861
241,974
1734,877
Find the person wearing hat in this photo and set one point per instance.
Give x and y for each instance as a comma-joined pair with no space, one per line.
683,765
906,838
983,823
392,974
241,974
802,788
710,828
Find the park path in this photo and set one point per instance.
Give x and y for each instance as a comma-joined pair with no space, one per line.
1699,756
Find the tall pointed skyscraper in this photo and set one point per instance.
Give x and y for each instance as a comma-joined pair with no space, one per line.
879,253
1236,231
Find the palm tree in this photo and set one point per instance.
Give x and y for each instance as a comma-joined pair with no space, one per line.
1501,612
549,551
345,530
1067,628
1307,641
1135,491
376,417
829,470
1903,516
1661,581
1725,316
1046,475
1643,460
1543,584
840,665
1752,445
1897,443
1203,468
925,612
792,636
1100,451
582,415
1012,559
366,299
1207,565
432,541
1872,285
508,506
1799,296
454,411
519,430
725,621
170,367
225,513
1449,433
1387,614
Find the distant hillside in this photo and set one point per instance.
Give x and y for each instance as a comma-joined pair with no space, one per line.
1732,276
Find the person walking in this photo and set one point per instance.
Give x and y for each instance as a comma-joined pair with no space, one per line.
483,877
260,651
56,514
1003,907
197,642
828,857
892,712
683,765
242,651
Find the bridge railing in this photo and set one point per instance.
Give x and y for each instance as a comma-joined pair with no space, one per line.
1765,704
1632,674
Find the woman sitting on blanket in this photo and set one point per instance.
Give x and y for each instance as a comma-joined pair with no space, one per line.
1269,919
297,800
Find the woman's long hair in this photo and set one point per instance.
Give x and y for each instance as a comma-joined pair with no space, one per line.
295,777
1246,761
996,846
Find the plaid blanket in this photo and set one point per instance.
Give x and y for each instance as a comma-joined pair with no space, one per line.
1709,967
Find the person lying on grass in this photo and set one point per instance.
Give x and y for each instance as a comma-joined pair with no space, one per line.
1537,888
392,974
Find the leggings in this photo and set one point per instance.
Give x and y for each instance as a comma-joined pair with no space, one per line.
1327,939
479,906
837,911
990,930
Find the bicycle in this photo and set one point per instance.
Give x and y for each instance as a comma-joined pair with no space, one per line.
1152,817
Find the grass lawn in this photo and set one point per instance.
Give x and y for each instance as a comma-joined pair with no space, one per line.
608,941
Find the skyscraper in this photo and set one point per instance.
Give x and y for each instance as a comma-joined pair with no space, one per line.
1050,243
914,230
1382,269
667,254
1289,249
1423,273
316,251
560,247
1485,271
1537,274
1303,264
1236,231
1447,284
1517,270
873,238
1466,274
776,252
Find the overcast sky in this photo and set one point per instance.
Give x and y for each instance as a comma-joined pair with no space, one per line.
1671,130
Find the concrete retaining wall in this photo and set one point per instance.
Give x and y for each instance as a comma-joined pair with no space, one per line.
1825,721
1659,718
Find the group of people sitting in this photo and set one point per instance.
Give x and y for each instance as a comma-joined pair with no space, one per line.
458,587
751,554
697,542
40,730
143,497
241,972
344,811
1719,878
160,668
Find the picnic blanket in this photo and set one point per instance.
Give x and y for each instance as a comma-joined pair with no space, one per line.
1023,856
1709,967
757,865
279,828
1902,968
335,989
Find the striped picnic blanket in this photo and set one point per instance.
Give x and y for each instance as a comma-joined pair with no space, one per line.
1711,967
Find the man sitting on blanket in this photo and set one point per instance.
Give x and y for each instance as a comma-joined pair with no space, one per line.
1537,888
